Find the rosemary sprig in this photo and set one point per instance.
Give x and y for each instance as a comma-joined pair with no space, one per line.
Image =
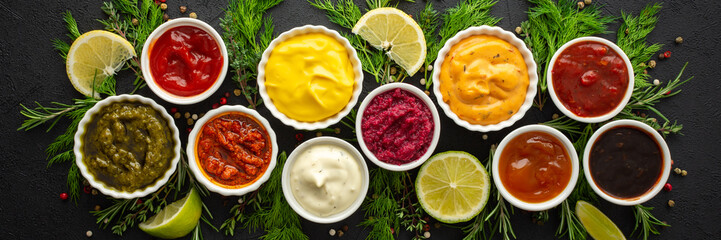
647,221
247,33
551,24
464,15
266,209
121,14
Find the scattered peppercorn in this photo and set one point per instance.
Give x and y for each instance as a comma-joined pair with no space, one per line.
392,79
671,159
187,114
485,136
684,173
87,189
554,116
173,110
426,227
427,92
671,203
216,105
652,64
581,5
656,82
660,56
437,225
63,196
345,228
318,134
337,130
223,101
677,170
393,231
299,136
423,81
176,115
94,192
189,130
193,15
163,6
374,196
106,221
340,233
667,187
190,121
519,30
166,17
667,54
226,94
183,9
430,67
587,2
679,40
162,1
427,234
237,92
393,70
139,201
194,117
331,232
89,233
97,208
135,22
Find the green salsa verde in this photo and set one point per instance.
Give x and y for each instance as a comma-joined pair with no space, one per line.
128,146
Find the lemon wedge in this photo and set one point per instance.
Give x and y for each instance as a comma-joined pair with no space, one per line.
453,186
94,56
175,220
393,31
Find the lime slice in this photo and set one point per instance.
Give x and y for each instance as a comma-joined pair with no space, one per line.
453,186
395,32
175,220
596,223
94,56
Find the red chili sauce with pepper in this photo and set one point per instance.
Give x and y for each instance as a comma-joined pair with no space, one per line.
590,79
397,127
233,150
535,167
185,61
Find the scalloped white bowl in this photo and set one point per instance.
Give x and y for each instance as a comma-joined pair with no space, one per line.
102,187
357,71
288,192
608,115
192,153
436,130
506,36
145,61
553,202
665,171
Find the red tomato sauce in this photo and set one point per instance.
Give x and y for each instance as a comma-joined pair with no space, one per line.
397,127
590,79
185,61
233,150
535,167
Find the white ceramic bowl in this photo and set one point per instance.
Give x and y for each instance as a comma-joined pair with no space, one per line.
553,201
563,108
506,36
109,190
145,61
436,129
666,154
288,192
193,158
357,71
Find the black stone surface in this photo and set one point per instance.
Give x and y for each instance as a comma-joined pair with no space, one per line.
30,70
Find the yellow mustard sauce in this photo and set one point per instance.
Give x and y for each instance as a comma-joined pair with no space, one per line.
484,79
309,77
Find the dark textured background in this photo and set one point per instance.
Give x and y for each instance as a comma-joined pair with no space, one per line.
30,70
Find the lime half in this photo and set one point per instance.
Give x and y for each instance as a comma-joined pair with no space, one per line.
596,223
175,220
453,186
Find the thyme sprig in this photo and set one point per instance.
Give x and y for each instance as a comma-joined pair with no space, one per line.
464,15
247,33
551,24
647,221
266,209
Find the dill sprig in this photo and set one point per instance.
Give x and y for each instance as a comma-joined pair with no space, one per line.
126,213
464,15
382,208
647,221
491,220
266,209
551,24
121,14
631,38
247,33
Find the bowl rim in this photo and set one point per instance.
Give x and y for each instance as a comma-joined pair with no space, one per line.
506,36
109,190
288,193
553,202
192,159
665,171
600,118
145,61
352,56
436,130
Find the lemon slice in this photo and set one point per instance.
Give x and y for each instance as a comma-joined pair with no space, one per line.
596,223
94,56
175,220
395,32
453,186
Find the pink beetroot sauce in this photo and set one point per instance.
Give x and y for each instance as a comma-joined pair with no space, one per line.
397,127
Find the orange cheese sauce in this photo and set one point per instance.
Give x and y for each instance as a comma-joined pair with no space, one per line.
535,167
484,79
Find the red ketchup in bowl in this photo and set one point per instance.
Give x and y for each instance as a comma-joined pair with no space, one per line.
590,78
185,61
